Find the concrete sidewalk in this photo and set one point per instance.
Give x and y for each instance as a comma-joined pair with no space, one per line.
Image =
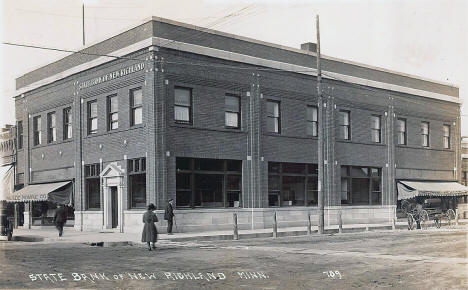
50,235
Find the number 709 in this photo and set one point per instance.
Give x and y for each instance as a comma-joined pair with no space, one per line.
333,274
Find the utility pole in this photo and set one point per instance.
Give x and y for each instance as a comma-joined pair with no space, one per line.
321,131
82,10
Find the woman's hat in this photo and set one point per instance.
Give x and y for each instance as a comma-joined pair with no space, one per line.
151,207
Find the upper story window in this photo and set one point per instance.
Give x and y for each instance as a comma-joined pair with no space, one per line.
92,117
447,136
37,134
19,129
232,113
273,117
425,134
401,131
67,124
345,125
312,121
112,112
136,107
51,127
376,128
183,105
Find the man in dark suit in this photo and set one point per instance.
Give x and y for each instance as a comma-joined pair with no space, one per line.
169,216
60,218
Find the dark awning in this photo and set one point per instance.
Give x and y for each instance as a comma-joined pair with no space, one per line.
410,189
59,192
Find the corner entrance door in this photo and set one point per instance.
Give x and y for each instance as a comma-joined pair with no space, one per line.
114,206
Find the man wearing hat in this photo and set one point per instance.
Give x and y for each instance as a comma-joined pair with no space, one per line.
169,216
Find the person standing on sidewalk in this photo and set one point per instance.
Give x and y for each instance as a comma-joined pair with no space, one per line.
169,216
60,218
150,232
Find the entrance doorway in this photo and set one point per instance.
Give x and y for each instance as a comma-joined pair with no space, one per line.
114,206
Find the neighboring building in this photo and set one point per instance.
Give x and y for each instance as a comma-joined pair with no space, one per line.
7,168
224,124
464,158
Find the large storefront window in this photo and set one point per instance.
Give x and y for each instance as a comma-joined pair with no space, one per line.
137,182
361,185
92,185
292,184
208,182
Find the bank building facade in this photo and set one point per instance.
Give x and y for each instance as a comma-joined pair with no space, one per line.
224,124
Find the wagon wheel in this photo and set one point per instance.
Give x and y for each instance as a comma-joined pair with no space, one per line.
424,219
450,217
410,222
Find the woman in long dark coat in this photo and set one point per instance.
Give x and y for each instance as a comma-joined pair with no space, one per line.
150,233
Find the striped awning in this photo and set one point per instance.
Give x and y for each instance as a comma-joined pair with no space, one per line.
59,192
410,189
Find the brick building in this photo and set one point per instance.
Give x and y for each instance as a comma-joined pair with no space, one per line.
464,158
223,124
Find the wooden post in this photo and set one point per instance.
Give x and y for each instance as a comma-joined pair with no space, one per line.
456,216
393,224
340,222
321,139
309,224
275,226
236,230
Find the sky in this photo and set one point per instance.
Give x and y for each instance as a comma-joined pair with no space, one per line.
427,38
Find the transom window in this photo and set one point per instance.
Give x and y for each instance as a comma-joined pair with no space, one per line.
183,105
312,121
447,136
376,129
233,112
425,134
136,107
208,182
51,127
92,117
401,131
345,126
361,185
273,117
112,112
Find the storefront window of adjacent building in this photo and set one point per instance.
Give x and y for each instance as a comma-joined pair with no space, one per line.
361,185
376,129
425,134
136,107
232,113
273,117
93,186
37,131
20,134
312,121
292,184
401,131
51,127
447,136
137,182
92,117
112,112
183,105
67,124
345,127
208,182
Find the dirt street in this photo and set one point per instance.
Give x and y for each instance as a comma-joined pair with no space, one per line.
401,259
